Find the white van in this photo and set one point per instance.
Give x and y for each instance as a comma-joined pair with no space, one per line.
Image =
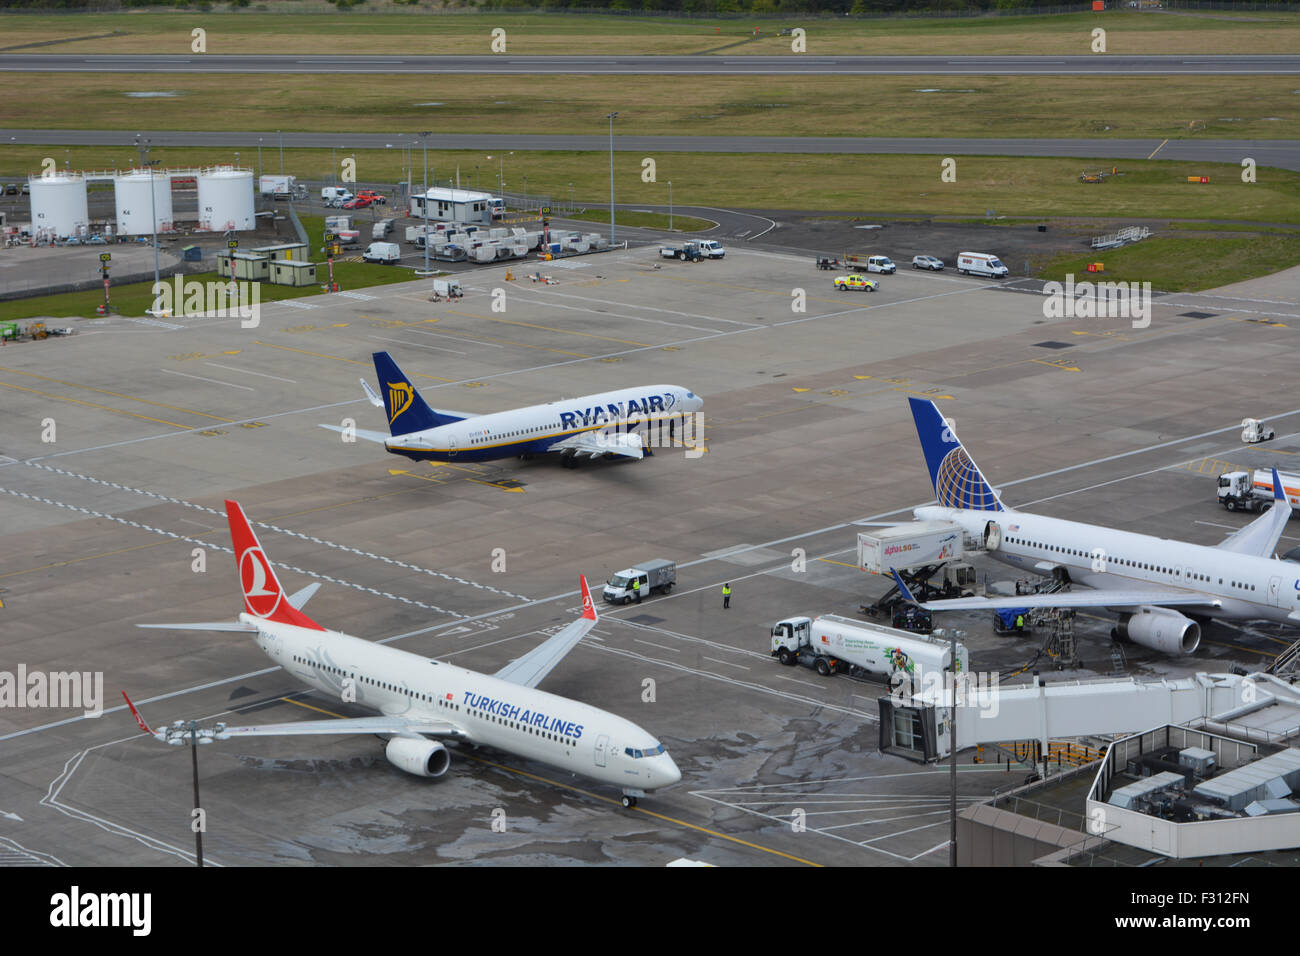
335,195
881,264
980,264
385,252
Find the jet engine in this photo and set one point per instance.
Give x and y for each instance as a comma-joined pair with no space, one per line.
1160,629
424,758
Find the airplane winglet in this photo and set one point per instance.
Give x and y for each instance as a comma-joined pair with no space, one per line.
903,589
1279,493
136,714
588,605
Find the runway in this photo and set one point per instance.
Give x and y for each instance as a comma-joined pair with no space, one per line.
697,65
1280,153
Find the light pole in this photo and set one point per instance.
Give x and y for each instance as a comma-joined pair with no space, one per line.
425,136
153,216
259,161
570,197
333,166
611,117
281,135
670,205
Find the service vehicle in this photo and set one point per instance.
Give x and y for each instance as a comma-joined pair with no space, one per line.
689,251
378,199
382,229
881,264
358,202
335,195
711,249
830,644
657,575
1254,431
927,262
911,545
1253,490
980,264
845,283
387,253
278,187
448,288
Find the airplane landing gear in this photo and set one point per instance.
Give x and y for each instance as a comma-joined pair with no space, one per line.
628,802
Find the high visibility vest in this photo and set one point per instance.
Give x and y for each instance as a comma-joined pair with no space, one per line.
636,585
726,591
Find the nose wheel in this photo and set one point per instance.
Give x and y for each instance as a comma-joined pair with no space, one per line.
628,802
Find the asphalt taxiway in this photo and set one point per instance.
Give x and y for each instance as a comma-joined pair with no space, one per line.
807,430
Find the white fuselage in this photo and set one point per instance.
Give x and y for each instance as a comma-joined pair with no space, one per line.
534,429
1245,586
491,712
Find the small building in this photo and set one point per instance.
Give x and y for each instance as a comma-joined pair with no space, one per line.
284,250
248,265
293,272
457,205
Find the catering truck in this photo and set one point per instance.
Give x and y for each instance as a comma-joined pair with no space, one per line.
830,644
912,545
1253,490
658,575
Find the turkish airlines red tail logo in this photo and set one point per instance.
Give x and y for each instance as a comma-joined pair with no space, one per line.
588,606
263,596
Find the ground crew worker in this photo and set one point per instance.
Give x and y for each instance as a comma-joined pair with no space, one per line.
1020,622
636,589
726,596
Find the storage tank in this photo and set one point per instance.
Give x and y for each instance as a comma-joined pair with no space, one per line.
59,204
225,199
137,212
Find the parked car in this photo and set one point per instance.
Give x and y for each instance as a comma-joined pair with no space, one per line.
97,240
360,202
27,189
377,198
927,262
845,283
11,189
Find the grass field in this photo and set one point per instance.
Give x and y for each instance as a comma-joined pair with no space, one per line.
1244,107
426,32
837,184
135,298
1184,263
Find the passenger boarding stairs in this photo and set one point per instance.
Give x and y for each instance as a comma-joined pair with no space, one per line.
1287,662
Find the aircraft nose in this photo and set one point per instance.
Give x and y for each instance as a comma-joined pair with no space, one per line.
667,773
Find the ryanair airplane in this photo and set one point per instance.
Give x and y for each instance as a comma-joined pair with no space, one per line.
609,424
1162,590
421,701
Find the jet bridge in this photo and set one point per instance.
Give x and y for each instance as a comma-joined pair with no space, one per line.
915,722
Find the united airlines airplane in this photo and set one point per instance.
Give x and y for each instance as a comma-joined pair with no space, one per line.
423,702
609,424
1141,577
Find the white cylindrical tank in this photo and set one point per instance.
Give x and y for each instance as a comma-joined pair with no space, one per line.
59,204
137,213
225,199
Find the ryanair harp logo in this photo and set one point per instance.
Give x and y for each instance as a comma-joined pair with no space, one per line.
400,396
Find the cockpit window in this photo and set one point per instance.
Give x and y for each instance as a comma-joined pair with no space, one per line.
638,754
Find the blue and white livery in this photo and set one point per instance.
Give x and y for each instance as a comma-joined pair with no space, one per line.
609,424
1141,577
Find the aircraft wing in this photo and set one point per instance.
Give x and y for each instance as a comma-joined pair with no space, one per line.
363,433
1260,537
1108,597
532,668
597,443
238,626
407,726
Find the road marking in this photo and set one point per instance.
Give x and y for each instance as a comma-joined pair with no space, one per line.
231,368
661,647
1158,148
200,378
102,408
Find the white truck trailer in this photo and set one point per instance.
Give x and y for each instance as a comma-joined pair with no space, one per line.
1253,490
912,545
280,187
830,643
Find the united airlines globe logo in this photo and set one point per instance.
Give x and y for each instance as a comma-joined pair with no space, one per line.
959,484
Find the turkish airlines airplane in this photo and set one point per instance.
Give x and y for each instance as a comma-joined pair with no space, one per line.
1141,577
608,424
423,702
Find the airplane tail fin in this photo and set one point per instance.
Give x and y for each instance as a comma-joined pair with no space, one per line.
407,411
957,480
263,596
588,605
